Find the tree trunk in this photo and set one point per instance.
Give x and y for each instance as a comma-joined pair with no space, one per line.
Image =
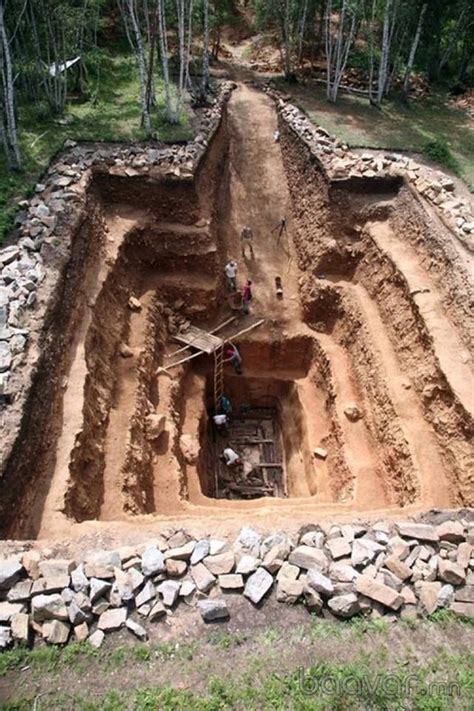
411,58
302,31
371,54
9,130
454,35
337,52
205,53
382,77
164,57
141,61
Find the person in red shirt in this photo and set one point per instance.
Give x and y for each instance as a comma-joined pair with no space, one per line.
246,297
233,356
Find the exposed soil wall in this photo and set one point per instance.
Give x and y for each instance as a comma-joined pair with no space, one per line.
427,233
319,252
32,456
334,242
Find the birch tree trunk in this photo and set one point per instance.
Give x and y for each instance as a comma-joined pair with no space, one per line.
337,50
164,58
328,46
205,53
9,130
286,39
382,76
371,54
411,58
141,61
302,29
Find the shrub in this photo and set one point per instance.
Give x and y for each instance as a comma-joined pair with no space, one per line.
439,151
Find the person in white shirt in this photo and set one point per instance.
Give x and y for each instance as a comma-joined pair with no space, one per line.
230,457
231,274
220,422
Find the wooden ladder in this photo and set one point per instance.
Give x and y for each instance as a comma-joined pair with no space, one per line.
218,375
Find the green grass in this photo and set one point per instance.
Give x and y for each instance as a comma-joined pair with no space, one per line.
445,682
112,114
411,127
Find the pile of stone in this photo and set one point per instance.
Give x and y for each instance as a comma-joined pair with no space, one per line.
341,163
411,569
44,221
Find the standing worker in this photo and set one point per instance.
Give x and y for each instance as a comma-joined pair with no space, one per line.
231,274
246,238
281,227
225,405
234,358
247,297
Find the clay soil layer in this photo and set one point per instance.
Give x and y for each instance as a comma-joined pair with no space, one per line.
365,358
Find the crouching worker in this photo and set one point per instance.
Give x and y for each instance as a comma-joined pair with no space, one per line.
230,457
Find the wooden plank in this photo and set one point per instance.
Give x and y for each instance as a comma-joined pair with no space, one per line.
214,330
183,360
197,338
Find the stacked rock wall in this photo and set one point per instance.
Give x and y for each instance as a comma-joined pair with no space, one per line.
406,569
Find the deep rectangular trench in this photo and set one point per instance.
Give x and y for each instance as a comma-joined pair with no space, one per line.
266,409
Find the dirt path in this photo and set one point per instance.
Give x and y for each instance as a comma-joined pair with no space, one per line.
259,198
73,401
359,447
120,414
418,434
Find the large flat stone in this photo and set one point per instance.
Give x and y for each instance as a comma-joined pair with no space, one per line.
203,577
56,631
289,591
8,609
55,567
200,551
308,557
258,584
398,567
182,552
452,531
421,531
20,627
169,590
319,582
20,592
463,609
153,561
48,607
344,606
428,596
339,547
231,581
220,564
112,620
10,572
378,591
364,551
213,610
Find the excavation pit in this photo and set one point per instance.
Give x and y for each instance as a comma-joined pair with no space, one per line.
267,427
358,320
